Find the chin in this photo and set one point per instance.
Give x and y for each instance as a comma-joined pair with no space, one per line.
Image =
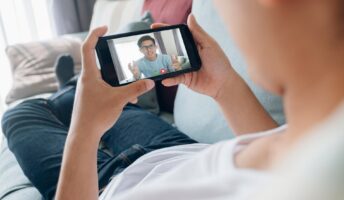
151,57
266,83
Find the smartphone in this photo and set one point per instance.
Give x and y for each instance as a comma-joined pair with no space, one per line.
149,54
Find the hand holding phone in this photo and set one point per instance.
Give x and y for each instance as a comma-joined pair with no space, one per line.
95,99
216,69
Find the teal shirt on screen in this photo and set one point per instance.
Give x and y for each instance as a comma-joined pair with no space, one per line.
152,68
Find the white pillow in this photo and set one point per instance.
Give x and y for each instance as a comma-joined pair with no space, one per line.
32,65
116,14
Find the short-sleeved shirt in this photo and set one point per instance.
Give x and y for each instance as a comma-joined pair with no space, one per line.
162,64
193,171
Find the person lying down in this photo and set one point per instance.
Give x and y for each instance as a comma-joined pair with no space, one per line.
293,48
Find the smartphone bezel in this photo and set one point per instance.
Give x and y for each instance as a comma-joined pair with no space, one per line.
107,67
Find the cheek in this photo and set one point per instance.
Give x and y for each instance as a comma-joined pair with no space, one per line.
246,25
237,16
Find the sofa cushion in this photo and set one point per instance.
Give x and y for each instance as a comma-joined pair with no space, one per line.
199,116
13,182
32,65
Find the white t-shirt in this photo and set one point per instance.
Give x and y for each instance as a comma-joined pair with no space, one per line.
195,171
317,169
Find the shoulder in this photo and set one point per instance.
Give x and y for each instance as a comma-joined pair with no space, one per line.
140,62
259,153
165,57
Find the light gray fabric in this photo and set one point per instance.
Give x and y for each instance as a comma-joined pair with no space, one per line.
13,183
71,16
199,116
32,66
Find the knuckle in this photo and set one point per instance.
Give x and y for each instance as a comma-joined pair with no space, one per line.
141,87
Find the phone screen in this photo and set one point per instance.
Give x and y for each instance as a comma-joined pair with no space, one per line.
148,55
154,54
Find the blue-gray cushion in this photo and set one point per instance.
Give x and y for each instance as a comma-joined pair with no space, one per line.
13,183
199,116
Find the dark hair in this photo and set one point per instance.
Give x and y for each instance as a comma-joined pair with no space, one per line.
145,38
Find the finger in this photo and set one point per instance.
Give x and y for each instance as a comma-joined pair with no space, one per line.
158,25
88,50
136,89
200,36
169,82
174,58
173,81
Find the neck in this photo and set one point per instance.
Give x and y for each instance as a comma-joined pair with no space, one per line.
309,101
153,58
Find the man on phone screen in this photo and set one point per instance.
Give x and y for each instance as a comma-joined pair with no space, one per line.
152,64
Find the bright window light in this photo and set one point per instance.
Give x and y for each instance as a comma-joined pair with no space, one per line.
20,21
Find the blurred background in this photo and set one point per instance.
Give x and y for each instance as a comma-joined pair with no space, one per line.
21,21
24,21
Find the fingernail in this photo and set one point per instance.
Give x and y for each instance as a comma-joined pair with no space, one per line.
192,16
150,84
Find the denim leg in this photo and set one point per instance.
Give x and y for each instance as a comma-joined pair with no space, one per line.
62,104
37,137
37,129
136,126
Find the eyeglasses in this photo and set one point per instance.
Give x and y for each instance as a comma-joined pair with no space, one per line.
146,48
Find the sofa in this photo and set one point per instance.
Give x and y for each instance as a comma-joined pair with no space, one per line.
194,114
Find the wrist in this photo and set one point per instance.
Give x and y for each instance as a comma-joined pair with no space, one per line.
84,134
229,88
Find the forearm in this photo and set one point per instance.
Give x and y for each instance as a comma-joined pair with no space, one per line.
243,111
78,176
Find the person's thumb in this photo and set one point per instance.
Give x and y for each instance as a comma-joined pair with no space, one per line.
136,89
200,36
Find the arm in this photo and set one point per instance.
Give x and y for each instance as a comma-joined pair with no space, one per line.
168,63
218,79
135,70
78,176
92,117
175,64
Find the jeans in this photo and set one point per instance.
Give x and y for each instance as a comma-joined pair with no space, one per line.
36,131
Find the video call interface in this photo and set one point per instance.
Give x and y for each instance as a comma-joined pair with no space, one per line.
148,55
